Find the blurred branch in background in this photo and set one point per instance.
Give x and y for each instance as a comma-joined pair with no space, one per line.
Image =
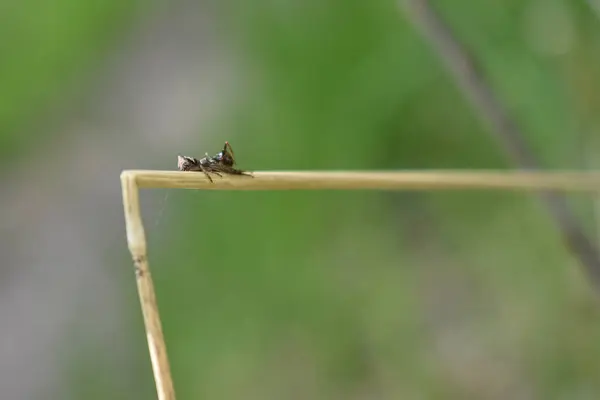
474,85
595,6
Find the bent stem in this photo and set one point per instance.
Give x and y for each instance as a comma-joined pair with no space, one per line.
132,180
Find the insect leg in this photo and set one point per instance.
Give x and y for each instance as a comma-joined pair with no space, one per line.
205,172
240,172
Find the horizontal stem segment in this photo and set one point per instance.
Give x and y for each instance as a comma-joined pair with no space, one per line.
357,180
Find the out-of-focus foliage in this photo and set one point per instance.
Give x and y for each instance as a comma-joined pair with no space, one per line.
345,295
368,295
44,48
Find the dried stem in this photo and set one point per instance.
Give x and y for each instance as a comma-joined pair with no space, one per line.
136,240
503,127
347,180
132,180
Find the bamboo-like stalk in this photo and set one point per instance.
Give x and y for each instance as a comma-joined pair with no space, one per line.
132,180
349,180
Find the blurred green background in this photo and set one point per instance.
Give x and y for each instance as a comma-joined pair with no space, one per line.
299,295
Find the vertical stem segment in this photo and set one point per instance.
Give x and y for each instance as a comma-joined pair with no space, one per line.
136,240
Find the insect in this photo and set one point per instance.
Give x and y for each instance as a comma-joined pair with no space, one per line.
223,162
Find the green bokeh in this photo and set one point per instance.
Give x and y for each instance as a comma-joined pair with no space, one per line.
47,48
359,295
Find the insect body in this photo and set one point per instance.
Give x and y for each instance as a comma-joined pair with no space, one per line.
223,162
